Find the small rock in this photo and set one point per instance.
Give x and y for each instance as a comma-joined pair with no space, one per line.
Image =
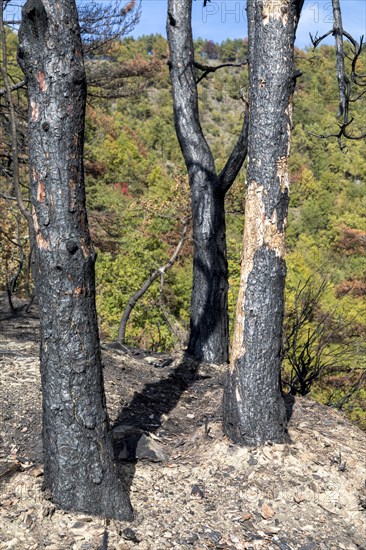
28,521
129,534
23,460
150,360
191,540
197,492
148,449
272,530
252,461
37,471
164,363
267,512
78,525
190,416
48,511
215,536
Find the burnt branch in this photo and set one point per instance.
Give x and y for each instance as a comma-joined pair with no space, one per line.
235,162
112,80
315,40
342,133
146,285
8,198
344,80
207,69
340,404
14,87
103,23
316,342
12,122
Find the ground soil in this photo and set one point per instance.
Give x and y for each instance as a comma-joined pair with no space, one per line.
195,489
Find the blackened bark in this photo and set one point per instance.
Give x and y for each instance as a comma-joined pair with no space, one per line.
209,321
78,454
343,82
253,407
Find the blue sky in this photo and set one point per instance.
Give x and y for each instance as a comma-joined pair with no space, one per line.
223,19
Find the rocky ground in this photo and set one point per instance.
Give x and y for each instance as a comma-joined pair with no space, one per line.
190,486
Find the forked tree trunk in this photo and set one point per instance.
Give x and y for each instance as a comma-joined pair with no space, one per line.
78,454
253,406
209,321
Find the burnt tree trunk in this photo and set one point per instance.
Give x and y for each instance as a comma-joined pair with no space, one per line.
209,322
253,406
78,454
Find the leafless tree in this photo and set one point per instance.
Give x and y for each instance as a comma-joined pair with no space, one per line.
351,85
316,342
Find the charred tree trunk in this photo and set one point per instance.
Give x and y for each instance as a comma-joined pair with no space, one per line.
209,323
253,406
78,454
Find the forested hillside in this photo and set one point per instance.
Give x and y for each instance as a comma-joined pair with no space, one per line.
138,201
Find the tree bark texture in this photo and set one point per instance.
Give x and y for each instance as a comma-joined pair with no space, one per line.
209,322
78,455
254,411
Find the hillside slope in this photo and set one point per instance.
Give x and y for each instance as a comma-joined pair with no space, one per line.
191,488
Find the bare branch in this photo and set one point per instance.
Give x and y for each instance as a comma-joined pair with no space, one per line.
103,23
344,81
13,128
235,162
14,87
213,68
8,198
315,40
315,342
146,285
342,133
354,99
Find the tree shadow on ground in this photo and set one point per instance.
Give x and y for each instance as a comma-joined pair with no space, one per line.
159,397
148,411
145,413
289,401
